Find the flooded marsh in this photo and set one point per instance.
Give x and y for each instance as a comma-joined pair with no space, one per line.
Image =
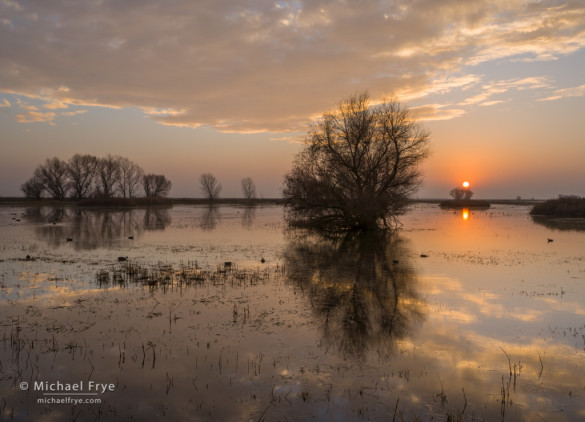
199,313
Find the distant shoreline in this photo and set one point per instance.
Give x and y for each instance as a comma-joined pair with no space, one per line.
465,203
167,202
135,202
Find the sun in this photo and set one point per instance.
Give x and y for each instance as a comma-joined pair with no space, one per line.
465,184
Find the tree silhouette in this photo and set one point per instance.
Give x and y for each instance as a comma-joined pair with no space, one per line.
358,168
85,176
108,175
248,188
53,175
210,186
461,194
81,172
130,177
156,185
33,187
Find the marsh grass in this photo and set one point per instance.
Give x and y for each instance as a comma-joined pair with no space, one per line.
561,207
185,274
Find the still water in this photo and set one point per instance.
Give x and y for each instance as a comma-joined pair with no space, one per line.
198,313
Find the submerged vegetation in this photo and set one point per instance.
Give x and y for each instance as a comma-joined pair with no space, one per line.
164,275
561,207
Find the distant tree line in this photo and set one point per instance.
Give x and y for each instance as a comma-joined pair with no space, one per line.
87,176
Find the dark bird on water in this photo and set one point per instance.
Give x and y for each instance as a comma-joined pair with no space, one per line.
69,239
395,261
548,240
422,255
122,258
131,237
263,260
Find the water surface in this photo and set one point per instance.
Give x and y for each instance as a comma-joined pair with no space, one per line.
222,314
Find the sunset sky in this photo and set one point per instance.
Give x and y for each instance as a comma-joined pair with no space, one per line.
186,87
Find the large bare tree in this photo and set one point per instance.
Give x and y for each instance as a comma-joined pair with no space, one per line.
156,185
130,177
248,188
359,166
33,187
81,172
210,187
53,175
108,175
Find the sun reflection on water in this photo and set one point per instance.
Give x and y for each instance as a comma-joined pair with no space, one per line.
465,214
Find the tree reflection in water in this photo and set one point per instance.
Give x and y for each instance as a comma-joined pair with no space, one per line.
248,216
362,289
210,218
94,228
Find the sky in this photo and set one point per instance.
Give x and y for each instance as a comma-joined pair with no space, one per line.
230,87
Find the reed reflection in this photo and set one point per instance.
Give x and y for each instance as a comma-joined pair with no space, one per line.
362,288
94,228
561,224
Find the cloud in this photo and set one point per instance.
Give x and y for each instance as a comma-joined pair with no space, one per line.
488,90
576,91
55,105
35,117
5,103
299,139
268,66
437,112
72,113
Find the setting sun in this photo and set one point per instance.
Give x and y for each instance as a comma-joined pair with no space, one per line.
465,184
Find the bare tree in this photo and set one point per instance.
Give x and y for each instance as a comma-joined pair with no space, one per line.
156,185
33,187
53,175
130,177
461,194
209,186
108,175
358,168
81,172
248,188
